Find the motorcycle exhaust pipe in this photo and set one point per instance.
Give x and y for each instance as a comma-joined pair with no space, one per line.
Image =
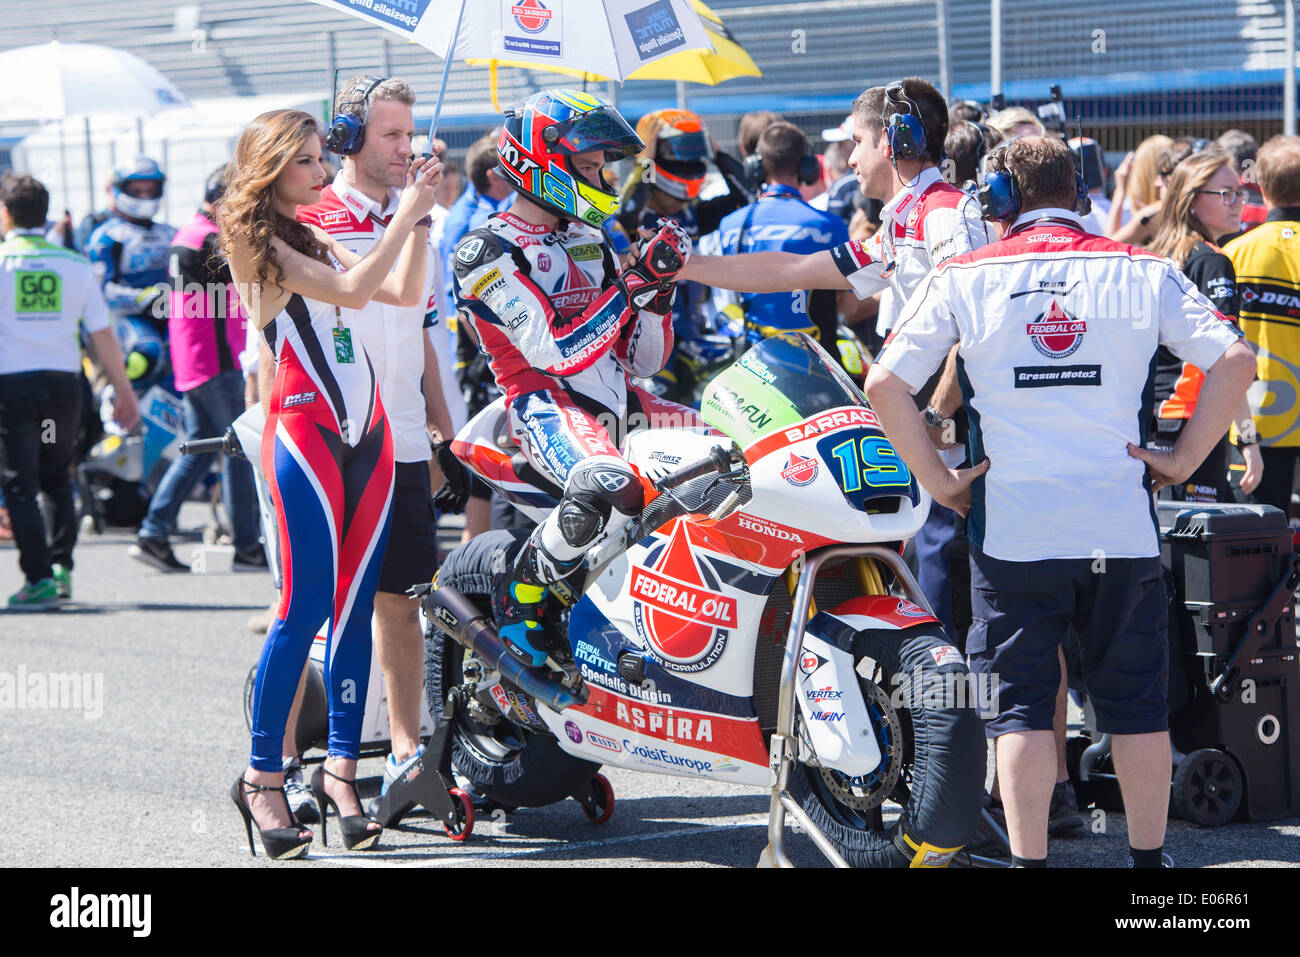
458,617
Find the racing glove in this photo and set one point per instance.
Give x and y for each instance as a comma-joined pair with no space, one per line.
454,491
153,302
649,282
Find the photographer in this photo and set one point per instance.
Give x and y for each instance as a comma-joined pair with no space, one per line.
1042,429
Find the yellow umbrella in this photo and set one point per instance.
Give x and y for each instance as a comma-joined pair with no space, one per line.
725,61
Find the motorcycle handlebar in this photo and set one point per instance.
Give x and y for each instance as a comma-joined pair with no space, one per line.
718,460
228,444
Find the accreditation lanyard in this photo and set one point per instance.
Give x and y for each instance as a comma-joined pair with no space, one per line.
343,351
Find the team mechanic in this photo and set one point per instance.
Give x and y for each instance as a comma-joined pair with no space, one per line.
563,329
898,132
356,209
1055,371
779,219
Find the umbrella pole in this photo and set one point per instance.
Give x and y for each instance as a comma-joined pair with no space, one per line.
446,69
90,167
492,86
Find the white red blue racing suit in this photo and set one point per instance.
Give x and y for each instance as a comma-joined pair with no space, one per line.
561,338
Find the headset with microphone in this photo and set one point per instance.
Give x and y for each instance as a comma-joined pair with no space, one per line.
999,193
809,172
905,131
347,131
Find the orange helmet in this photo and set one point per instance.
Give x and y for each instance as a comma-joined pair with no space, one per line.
682,145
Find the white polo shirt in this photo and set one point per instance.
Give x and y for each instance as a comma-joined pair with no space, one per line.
45,290
1057,332
392,335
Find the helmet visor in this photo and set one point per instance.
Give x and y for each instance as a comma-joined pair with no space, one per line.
598,129
142,188
684,147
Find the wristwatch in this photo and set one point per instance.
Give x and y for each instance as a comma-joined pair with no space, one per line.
932,417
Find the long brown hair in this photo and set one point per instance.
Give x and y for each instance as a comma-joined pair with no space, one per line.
247,217
1178,229
1146,167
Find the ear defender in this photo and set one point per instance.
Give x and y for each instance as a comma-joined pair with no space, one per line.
347,131
905,131
998,194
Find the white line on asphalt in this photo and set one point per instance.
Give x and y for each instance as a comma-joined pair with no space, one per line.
352,860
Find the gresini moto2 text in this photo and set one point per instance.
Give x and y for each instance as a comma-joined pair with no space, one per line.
743,630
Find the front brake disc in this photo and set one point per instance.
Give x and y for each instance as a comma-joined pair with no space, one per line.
871,790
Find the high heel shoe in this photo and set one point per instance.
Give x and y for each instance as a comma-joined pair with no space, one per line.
280,843
357,834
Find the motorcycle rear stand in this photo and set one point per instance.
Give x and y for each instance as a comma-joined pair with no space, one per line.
428,781
784,747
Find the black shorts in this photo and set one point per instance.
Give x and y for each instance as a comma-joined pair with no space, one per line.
1022,610
412,554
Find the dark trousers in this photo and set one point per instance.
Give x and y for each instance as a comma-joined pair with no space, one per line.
1279,477
40,413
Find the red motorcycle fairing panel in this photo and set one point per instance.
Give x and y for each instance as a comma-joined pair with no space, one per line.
832,420
882,611
738,738
762,541
678,606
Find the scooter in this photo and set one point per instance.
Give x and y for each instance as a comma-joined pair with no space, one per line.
756,625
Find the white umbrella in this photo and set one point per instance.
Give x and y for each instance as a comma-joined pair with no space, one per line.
56,81
609,37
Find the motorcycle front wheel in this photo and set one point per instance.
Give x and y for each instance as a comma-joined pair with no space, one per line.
933,758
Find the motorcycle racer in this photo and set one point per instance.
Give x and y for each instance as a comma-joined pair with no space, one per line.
130,253
564,329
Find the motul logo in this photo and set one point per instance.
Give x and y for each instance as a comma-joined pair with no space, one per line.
683,600
663,724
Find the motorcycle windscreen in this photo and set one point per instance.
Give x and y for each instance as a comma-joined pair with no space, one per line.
777,384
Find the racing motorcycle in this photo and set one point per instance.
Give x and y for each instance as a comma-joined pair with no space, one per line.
755,625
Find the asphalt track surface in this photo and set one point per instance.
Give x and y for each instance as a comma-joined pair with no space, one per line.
145,782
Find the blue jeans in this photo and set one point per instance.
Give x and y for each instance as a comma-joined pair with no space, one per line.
209,410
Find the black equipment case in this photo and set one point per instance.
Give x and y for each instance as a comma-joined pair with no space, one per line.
1234,683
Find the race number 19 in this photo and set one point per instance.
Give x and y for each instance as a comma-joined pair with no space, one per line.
38,292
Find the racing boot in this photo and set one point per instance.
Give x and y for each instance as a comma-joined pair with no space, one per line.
520,598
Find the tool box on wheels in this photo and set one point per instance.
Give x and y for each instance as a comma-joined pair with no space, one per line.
1234,670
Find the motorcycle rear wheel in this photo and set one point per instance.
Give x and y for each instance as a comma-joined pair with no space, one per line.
941,780
512,766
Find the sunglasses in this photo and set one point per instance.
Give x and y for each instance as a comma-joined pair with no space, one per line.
1230,197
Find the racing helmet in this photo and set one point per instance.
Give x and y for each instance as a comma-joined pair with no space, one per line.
141,169
537,142
681,148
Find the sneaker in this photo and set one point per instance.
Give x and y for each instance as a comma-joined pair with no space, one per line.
1063,817
393,770
157,553
297,793
250,560
63,581
41,594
